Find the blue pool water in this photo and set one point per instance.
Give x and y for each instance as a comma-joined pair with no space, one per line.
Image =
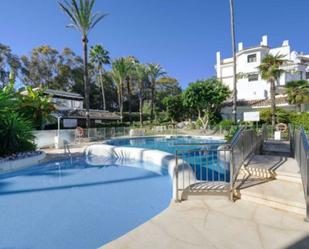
167,144
61,205
205,163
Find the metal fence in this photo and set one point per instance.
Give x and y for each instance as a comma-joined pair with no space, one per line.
268,132
201,168
215,130
46,138
214,167
245,143
301,154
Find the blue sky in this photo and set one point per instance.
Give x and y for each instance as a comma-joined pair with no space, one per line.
182,35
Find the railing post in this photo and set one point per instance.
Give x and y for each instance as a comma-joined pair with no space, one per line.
176,176
243,149
299,149
307,187
231,175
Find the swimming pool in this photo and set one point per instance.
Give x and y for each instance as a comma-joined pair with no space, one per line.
75,205
200,152
166,143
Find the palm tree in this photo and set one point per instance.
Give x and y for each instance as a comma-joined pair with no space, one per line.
83,19
142,78
298,92
270,70
155,71
232,13
120,71
130,80
100,57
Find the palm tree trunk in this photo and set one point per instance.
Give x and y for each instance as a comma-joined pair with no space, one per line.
102,89
129,99
152,105
234,61
141,104
86,85
273,102
121,102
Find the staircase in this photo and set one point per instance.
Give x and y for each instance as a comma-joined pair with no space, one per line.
273,179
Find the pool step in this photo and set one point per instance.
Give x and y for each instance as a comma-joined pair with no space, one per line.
273,181
283,195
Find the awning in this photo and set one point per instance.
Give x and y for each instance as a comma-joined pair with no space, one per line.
81,114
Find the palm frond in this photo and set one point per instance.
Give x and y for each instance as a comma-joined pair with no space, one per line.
96,18
80,13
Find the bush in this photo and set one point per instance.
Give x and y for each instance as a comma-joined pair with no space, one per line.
229,136
226,123
282,116
16,134
300,119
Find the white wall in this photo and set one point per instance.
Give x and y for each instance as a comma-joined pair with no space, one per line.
260,89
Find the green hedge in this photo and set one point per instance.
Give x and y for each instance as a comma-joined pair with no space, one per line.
285,116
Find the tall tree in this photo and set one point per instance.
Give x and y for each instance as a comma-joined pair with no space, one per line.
142,80
47,67
8,63
155,72
83,19
100,57
270,70
174,107
40,67
120,71
298,93
205,98
131,60
232,15
166,86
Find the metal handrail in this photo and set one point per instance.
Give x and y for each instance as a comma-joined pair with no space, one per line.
67,150
244,144
211,168
237,135
301,154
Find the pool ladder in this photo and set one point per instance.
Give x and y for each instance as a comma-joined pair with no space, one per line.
67,150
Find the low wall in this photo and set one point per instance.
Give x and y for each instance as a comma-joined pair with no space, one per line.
12,165
160,158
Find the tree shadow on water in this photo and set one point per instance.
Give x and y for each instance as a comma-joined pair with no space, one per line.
83,185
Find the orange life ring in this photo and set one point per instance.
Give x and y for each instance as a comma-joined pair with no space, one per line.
282,127
79,131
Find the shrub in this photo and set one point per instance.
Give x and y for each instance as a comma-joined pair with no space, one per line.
229,136
300,119
16,134
226,123
282,116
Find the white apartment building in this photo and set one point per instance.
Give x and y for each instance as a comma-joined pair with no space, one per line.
253,87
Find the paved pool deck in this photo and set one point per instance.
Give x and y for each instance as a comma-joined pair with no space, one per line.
217,223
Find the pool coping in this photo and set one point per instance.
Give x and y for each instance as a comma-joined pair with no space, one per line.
160,158
22,163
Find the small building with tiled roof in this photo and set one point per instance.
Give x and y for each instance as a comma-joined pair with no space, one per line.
69,108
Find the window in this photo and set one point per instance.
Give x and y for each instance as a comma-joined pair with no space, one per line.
251,58
253,77
307,75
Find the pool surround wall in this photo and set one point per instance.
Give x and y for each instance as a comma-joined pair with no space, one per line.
160,158
13,165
